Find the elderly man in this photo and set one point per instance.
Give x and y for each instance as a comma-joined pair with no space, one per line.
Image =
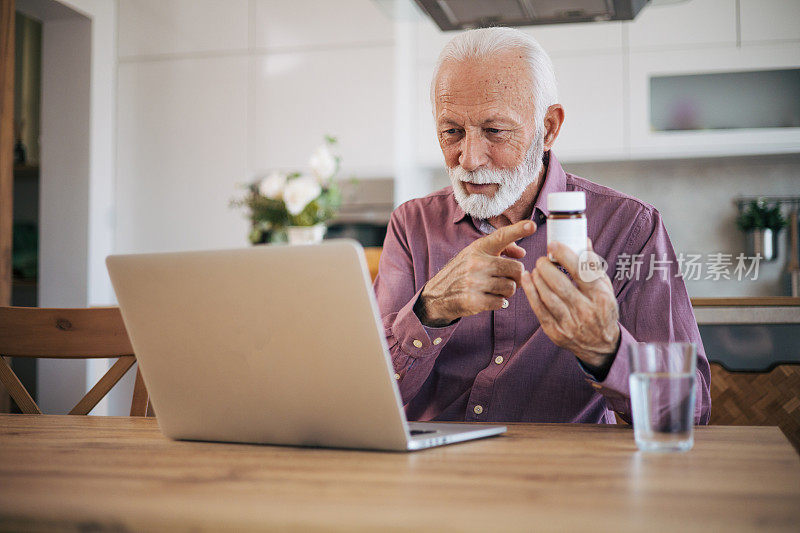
466,343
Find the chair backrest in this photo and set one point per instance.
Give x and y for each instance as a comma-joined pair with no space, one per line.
90,333
373,256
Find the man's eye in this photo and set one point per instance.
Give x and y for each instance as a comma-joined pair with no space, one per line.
451,131
493,130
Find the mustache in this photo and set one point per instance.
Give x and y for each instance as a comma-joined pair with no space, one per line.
478,177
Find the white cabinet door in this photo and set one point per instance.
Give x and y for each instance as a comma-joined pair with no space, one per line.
303,24
155,27
591,90
566,39
182,149
684,25
298,97
645,142
770,20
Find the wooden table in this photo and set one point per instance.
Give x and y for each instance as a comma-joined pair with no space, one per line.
69,472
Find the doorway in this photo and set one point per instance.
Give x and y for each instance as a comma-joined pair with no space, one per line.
51,179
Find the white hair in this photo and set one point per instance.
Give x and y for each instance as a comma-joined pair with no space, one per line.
487,42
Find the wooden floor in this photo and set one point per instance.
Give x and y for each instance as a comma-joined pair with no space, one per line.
78,473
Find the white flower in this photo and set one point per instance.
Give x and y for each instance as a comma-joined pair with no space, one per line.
272,186
323,163
300,192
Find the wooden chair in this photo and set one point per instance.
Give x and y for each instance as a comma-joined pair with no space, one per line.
373,255
69,334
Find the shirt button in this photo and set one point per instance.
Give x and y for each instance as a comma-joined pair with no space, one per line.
397,376
499,359
437,340
478,409
505,303
417,343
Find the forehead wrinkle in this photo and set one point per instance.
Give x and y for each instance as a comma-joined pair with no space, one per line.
476,92
473,82
477,114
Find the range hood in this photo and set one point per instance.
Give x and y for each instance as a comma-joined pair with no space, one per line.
468,14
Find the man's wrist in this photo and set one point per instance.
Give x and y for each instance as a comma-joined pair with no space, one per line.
601,370
421,310
599,365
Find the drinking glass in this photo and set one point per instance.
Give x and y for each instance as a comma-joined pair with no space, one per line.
662,395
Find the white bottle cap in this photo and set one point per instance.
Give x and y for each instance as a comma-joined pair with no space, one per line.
566,201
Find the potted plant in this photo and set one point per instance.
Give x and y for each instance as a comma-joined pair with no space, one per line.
761,224
294,206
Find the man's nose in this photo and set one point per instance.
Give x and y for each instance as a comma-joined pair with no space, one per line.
474,154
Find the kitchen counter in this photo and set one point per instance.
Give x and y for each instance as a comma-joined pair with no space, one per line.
768,310
749,334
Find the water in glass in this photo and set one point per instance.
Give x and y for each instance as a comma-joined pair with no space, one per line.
662,385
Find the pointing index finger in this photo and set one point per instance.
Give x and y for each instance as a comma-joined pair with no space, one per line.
498,241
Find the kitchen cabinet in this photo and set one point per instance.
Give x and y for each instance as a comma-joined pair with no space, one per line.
305,24
578,39
591,90
182,149
148,28
344,94
645,142
769,20
751,344
684,25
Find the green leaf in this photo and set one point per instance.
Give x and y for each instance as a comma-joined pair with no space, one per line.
757,215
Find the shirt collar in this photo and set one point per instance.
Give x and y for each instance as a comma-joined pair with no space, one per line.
555,180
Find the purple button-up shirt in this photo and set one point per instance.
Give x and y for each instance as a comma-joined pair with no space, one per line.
500,366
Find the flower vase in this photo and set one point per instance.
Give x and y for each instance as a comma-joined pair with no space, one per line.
306,234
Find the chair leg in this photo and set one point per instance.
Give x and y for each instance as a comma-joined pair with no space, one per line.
140,399
17,391
102,387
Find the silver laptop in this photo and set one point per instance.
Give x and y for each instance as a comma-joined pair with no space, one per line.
271,344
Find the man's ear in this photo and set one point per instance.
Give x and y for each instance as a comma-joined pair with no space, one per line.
553,120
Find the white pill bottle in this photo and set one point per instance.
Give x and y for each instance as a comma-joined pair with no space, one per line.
566,222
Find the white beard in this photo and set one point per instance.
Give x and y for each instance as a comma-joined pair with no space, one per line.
512,183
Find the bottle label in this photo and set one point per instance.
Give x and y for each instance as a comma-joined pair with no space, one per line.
571,232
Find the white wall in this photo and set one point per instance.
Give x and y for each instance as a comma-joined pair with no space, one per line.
64,200
212,100
64,193
96,91
77,174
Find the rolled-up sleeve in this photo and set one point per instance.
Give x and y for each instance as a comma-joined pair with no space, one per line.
653,310
412,345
